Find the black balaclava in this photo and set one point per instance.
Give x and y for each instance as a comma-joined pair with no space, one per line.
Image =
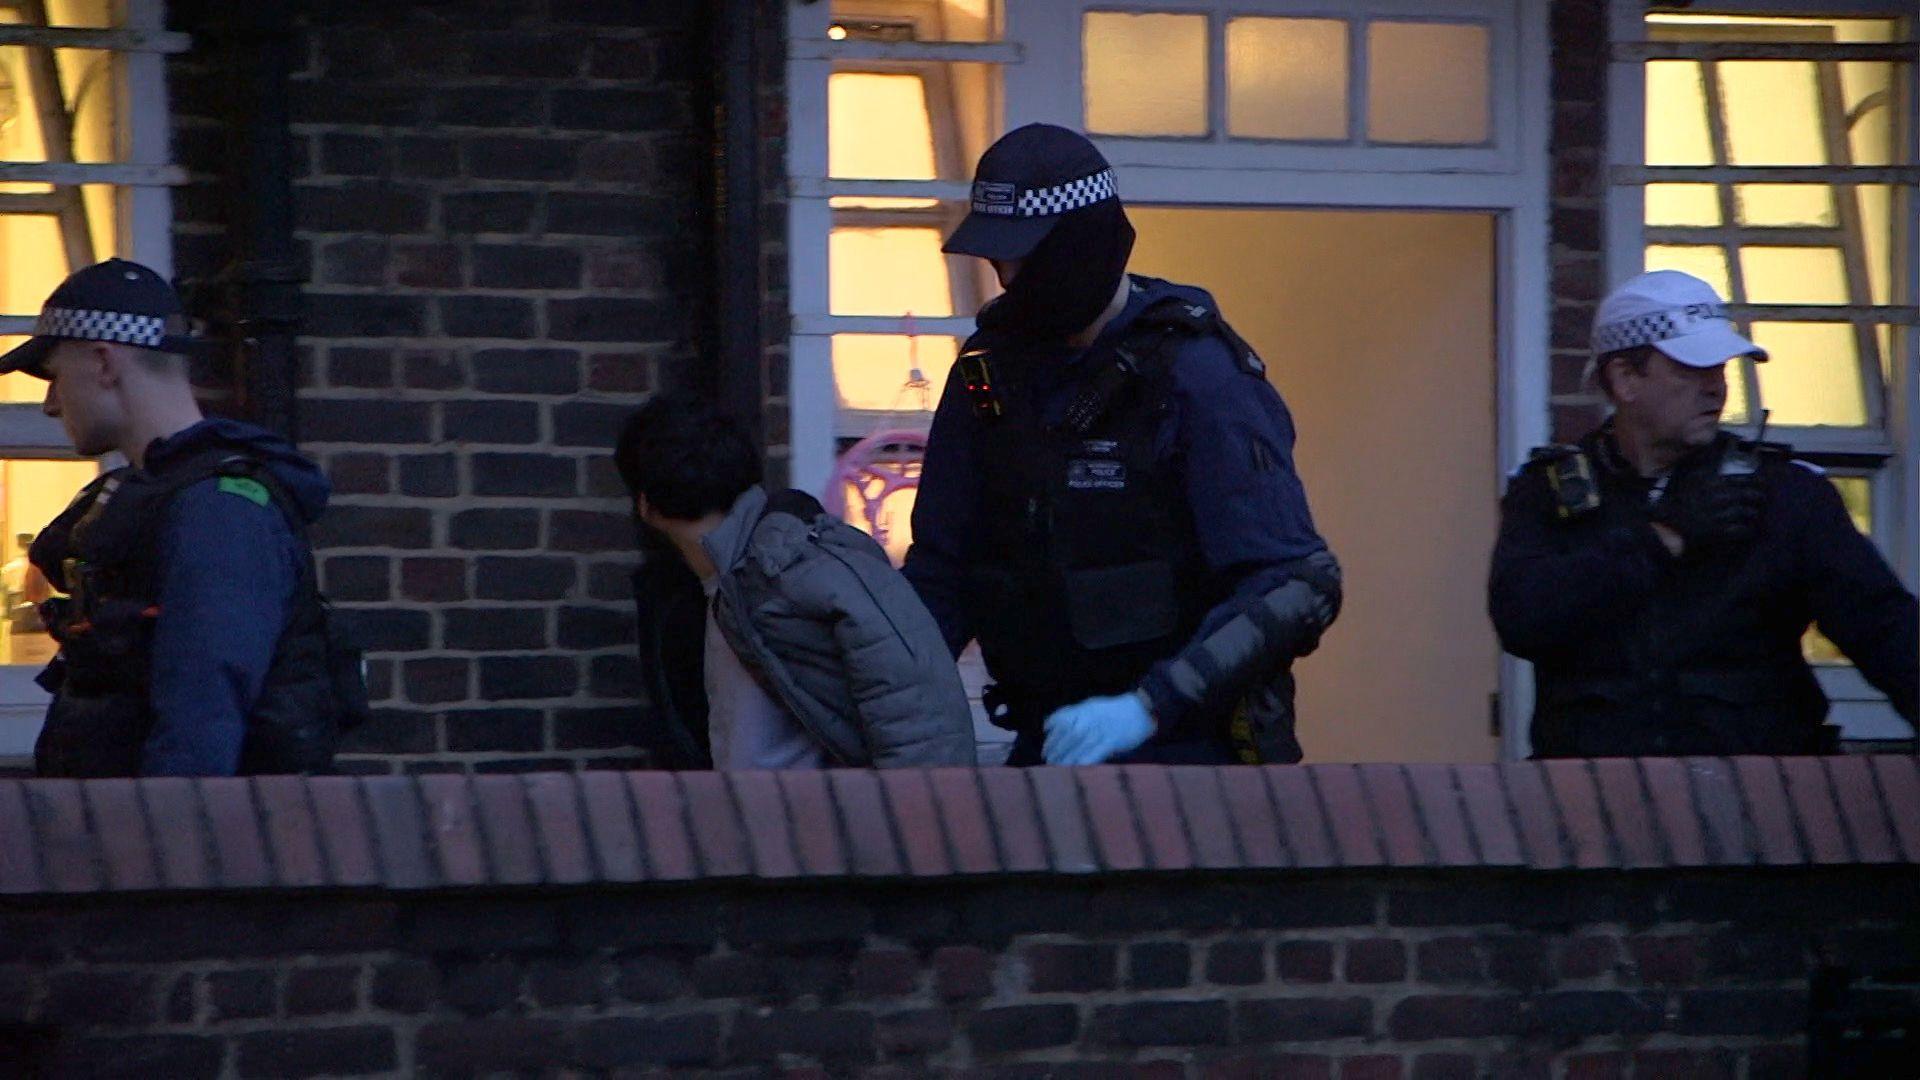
1068,279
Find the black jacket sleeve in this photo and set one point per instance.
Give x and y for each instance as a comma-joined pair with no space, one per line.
945,510
1856,599
1551,581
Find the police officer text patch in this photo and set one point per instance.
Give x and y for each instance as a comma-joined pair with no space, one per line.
1087,475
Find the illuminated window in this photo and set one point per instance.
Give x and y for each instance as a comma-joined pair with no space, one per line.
1427,83
1146,74
1287,78
1784,245
1150,74
897,122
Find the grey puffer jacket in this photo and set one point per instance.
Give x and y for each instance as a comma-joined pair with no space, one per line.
813,606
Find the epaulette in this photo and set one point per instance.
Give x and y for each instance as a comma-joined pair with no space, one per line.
1195,319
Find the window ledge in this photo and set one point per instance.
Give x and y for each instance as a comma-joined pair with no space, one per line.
452,831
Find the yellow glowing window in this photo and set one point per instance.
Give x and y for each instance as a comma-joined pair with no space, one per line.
915,20
1813,375
1145,74
878,126
1427,83
1677,132
1786,205
876,372
1784,244
1287,78
1793,275
888,271
1683,204
1709,264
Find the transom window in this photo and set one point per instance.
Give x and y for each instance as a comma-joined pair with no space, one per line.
1360,81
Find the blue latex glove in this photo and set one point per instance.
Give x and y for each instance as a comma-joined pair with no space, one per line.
1096,730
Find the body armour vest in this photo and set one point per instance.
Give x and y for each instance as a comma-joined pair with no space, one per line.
103,552
1088,570
1641,684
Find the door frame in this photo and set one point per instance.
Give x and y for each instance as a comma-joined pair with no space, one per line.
1040,70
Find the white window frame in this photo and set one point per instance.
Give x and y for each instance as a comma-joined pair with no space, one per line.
1042,83
1857,708
144,175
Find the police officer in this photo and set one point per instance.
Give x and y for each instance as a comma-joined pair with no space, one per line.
192,637
1661,573
1108,501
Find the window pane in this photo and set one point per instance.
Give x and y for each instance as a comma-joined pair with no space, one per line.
875,372
1677,132
28,106
1784,112
877,126
1785,205
32,493
1813,377
1695,205
1857,493
1145,74
1772,113
1707,263
946,20
1287,78
1427,83
888,271
1793,275
926,122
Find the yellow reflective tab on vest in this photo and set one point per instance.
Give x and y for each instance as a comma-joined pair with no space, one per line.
245,488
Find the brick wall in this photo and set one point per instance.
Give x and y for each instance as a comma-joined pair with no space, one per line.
1384,975
1660,918
502,210
1578,151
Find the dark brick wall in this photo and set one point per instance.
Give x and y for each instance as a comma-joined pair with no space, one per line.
1578,151
502,208
1397,975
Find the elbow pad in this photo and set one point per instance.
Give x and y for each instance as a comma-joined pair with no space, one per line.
1285,623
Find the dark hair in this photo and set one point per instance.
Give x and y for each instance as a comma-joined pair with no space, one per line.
687,459
1637,358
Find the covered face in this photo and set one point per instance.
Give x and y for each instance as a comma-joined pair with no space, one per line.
1045,197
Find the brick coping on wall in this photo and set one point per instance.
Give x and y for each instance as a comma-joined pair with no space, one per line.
454,831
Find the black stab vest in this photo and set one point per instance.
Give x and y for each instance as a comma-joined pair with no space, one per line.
1088,569
103,551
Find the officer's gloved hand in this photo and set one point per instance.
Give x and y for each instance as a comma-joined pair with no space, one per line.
1712,511
1097,730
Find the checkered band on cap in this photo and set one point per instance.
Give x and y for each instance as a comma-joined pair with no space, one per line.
1003,200
148,331
1658,326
